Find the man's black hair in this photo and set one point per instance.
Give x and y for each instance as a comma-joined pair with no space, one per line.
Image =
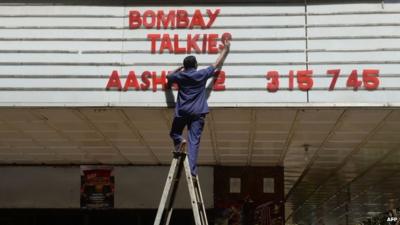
190,62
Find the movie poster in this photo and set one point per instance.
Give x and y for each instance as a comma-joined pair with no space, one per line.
97,187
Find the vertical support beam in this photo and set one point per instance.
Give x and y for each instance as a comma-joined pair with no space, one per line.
253,123
306,36
213,137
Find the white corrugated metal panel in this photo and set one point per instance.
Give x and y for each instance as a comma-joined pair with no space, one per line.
64,55
67,52
357,36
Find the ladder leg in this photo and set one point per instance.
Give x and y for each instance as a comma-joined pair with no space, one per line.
200,197
172,182
169,208
165,208
199,219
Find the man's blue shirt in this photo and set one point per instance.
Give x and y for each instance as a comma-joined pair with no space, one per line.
192,99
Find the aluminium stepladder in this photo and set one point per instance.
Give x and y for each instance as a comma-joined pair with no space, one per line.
164,212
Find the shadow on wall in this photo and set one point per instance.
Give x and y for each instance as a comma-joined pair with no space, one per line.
169,98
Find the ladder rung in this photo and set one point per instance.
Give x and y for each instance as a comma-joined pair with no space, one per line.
178,154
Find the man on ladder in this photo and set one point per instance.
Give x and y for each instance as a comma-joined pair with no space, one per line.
191,109
191,105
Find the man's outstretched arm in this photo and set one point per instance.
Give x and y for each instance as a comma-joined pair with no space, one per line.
222,56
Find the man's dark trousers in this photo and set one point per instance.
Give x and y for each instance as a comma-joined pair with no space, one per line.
195,124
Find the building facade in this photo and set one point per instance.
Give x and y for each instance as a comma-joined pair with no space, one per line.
309,88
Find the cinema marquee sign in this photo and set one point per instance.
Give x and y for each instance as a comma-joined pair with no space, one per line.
178,19
211,43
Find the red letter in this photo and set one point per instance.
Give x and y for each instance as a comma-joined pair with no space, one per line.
371,80
114,81
291,80
335,74
204,46
219,83
152,15
182,20
166,44
304,79
274,85
145,79
212,16
165,20
197,20
134,19
192,43
352,80
131,81
153,38
177,49
162,80
212,43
